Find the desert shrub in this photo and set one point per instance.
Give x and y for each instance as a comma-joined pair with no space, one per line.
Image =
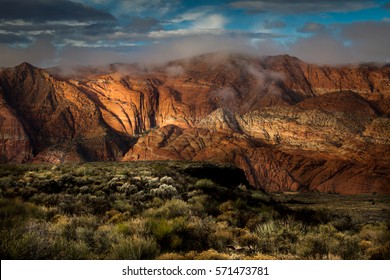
194,255
168,233
35,239
127,188
10,209
198,230
278,236
48,186
136,226
167,180
123,206
95,205
160,228
377,233
19,243
114,216
327,243
345,222
267,234
260,257
77,228
23,239
164,191
171,209
84,170
221,235
198,202
348,247
249,241
171,256
123,228
313,247
71,250
66,180
204,205
27,192
375,241
80,237
378,252
228,213
208,255
103,240
134,248
7,182
205,184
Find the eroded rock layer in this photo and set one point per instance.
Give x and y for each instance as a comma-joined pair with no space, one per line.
291,126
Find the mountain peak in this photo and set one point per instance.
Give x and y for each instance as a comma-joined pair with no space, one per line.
24,69
25,65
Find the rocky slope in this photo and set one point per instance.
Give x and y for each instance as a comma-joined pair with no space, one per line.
44,119
288,124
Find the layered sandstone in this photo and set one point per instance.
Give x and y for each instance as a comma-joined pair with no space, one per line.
288,124
52,115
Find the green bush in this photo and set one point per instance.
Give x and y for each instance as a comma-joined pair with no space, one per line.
205,184
328,243
134,248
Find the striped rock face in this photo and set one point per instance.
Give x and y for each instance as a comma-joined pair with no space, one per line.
291,126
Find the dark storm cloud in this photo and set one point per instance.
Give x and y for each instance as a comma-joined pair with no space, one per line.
25,28
301,6
59,31
14,39
143,25
23,21
95,29
47,10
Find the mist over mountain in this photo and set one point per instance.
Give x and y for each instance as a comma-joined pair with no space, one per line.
290,125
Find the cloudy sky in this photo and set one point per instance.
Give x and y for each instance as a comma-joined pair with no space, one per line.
63,32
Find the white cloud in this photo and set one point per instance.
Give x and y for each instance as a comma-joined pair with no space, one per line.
210,24
183,33
187,17
97,44
71,23
17,22
213,21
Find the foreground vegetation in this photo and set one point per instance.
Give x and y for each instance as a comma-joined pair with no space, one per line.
166,210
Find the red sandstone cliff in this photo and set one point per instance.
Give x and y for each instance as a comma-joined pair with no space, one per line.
288,124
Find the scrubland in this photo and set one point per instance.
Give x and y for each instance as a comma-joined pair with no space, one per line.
170,210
